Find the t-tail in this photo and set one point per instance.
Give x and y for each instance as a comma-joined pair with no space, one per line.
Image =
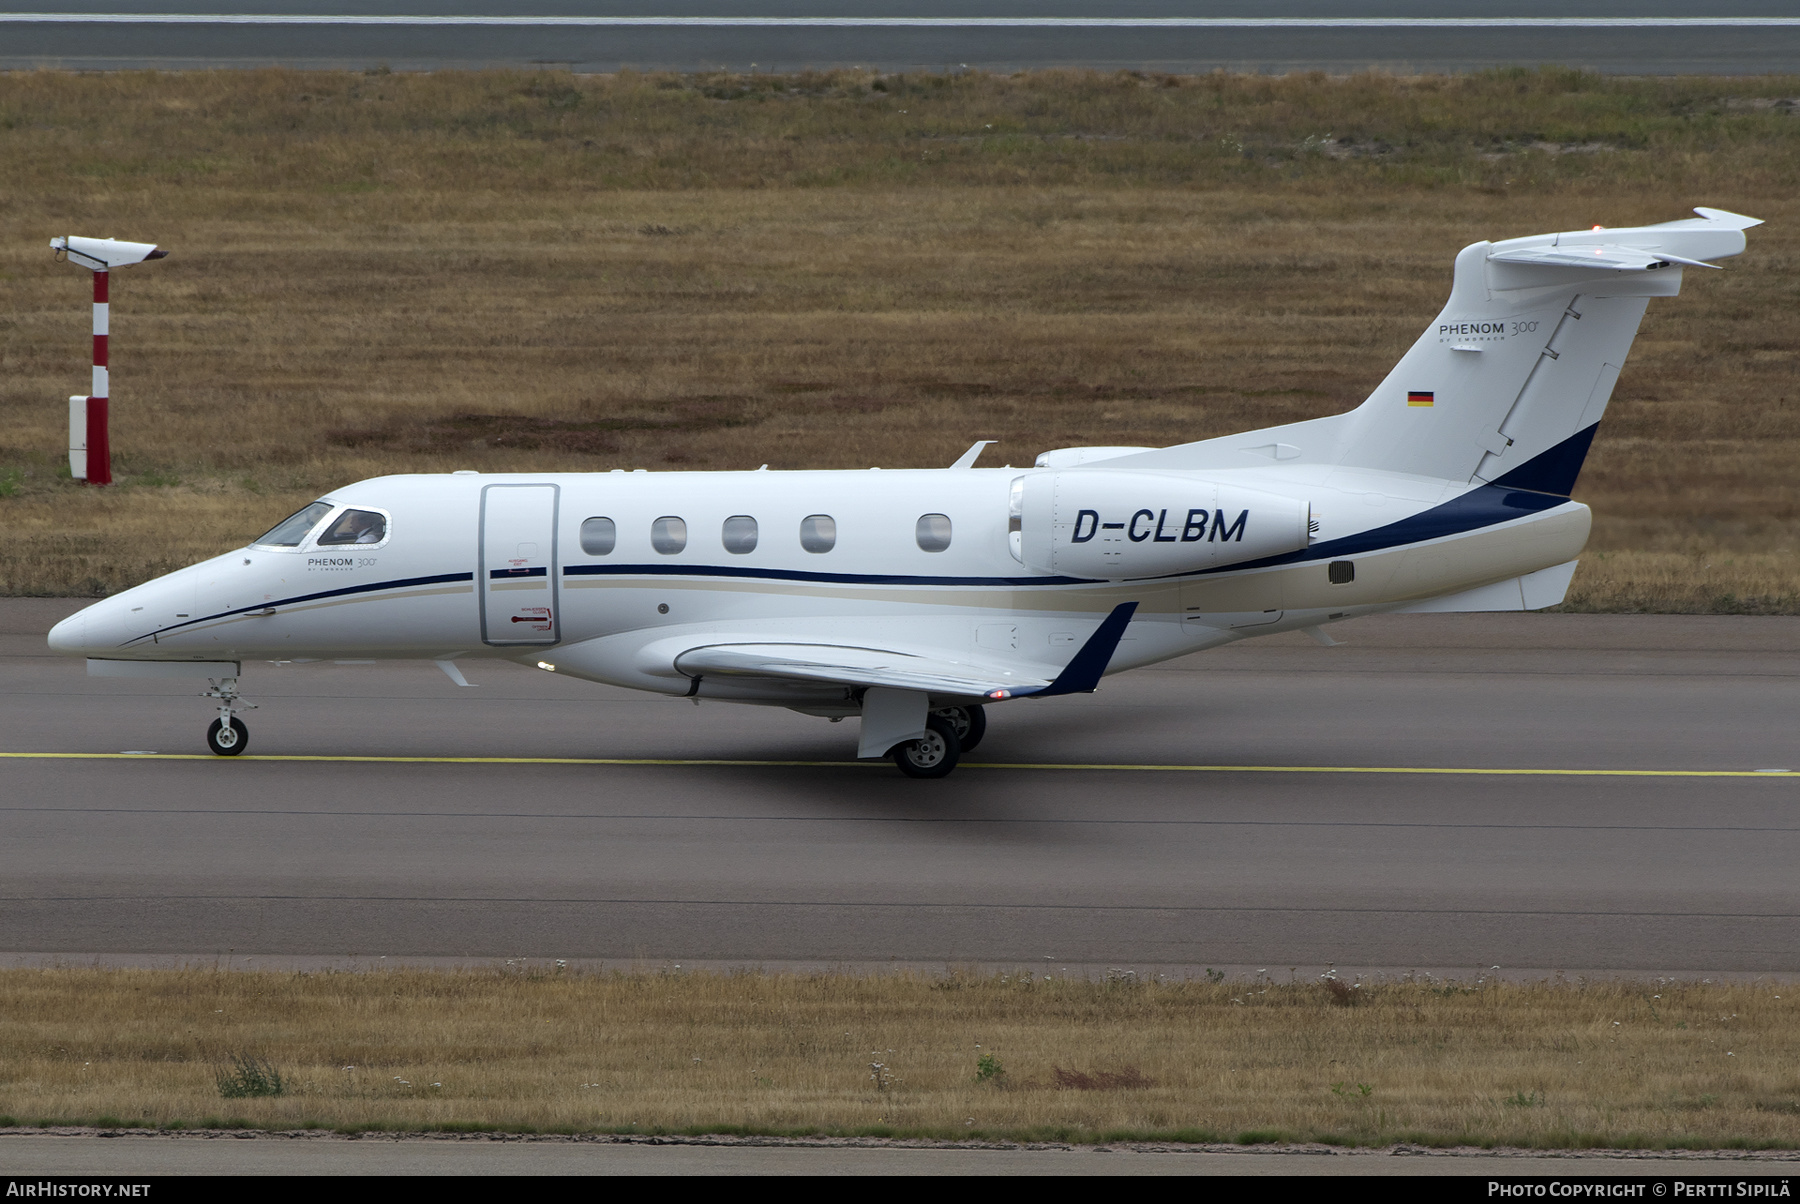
1509,382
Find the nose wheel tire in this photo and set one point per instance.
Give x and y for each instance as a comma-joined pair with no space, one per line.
227,741
970,724
935,755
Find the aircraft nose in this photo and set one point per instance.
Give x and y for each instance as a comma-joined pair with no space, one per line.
96,631
70,635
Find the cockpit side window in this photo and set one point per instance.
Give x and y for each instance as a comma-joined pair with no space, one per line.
290,531
355,527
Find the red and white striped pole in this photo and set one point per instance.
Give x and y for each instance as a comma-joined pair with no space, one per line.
99,444
90,445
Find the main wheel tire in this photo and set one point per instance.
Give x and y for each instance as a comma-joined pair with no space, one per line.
935,755
970,724
227,742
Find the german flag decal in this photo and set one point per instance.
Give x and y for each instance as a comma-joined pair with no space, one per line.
1416,398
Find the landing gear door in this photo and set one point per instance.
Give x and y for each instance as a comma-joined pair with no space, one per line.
518,582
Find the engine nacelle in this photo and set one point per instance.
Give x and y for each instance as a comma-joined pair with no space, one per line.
1118,525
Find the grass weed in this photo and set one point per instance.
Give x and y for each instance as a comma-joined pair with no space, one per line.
1549,1064
248,1078
533,270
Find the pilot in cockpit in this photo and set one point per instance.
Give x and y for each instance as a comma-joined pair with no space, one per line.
355,527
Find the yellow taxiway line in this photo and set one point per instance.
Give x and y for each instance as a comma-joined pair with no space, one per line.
1455,771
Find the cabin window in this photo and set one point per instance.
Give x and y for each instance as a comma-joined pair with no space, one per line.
818,532
668,534
354,527
290,531
933,532
1015,520
599,536
1341,572
739,534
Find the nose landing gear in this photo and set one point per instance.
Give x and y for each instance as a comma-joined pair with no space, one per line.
227,737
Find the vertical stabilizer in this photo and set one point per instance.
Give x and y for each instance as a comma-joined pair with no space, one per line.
1507,385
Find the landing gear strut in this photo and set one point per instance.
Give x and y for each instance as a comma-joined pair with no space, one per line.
227,737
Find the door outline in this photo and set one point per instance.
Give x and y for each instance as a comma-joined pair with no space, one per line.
553,567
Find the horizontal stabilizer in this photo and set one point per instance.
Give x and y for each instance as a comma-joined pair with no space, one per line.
1541,261
1720,217
1604,257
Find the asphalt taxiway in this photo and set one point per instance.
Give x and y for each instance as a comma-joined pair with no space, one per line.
1723,37
1256,806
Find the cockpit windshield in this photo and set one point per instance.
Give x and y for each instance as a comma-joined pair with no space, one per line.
291,530
355,526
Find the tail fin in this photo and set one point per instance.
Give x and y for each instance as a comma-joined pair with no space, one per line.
1510,381
1508,384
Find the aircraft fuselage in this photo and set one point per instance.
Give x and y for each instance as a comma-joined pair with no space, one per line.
494,565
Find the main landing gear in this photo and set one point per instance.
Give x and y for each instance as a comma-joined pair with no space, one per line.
970,724
227,737
949,733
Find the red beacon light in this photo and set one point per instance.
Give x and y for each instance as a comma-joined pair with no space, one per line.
90,448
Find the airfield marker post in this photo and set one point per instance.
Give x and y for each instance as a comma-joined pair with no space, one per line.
98,460
90,443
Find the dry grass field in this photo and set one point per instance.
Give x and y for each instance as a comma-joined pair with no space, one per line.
393,273
1649,1065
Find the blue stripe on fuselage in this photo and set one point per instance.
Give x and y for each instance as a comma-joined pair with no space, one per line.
733,570
439,579
1484,506
1553,471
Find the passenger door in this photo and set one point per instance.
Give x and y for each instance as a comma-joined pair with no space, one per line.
518,579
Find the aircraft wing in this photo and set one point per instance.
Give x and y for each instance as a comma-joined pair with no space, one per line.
853,666
862,666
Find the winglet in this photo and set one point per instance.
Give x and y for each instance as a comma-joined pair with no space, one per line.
968,458
1082,674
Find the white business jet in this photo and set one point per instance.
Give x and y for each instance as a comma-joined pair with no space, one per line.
912,599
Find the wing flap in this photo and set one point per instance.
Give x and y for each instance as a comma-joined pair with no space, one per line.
852,666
